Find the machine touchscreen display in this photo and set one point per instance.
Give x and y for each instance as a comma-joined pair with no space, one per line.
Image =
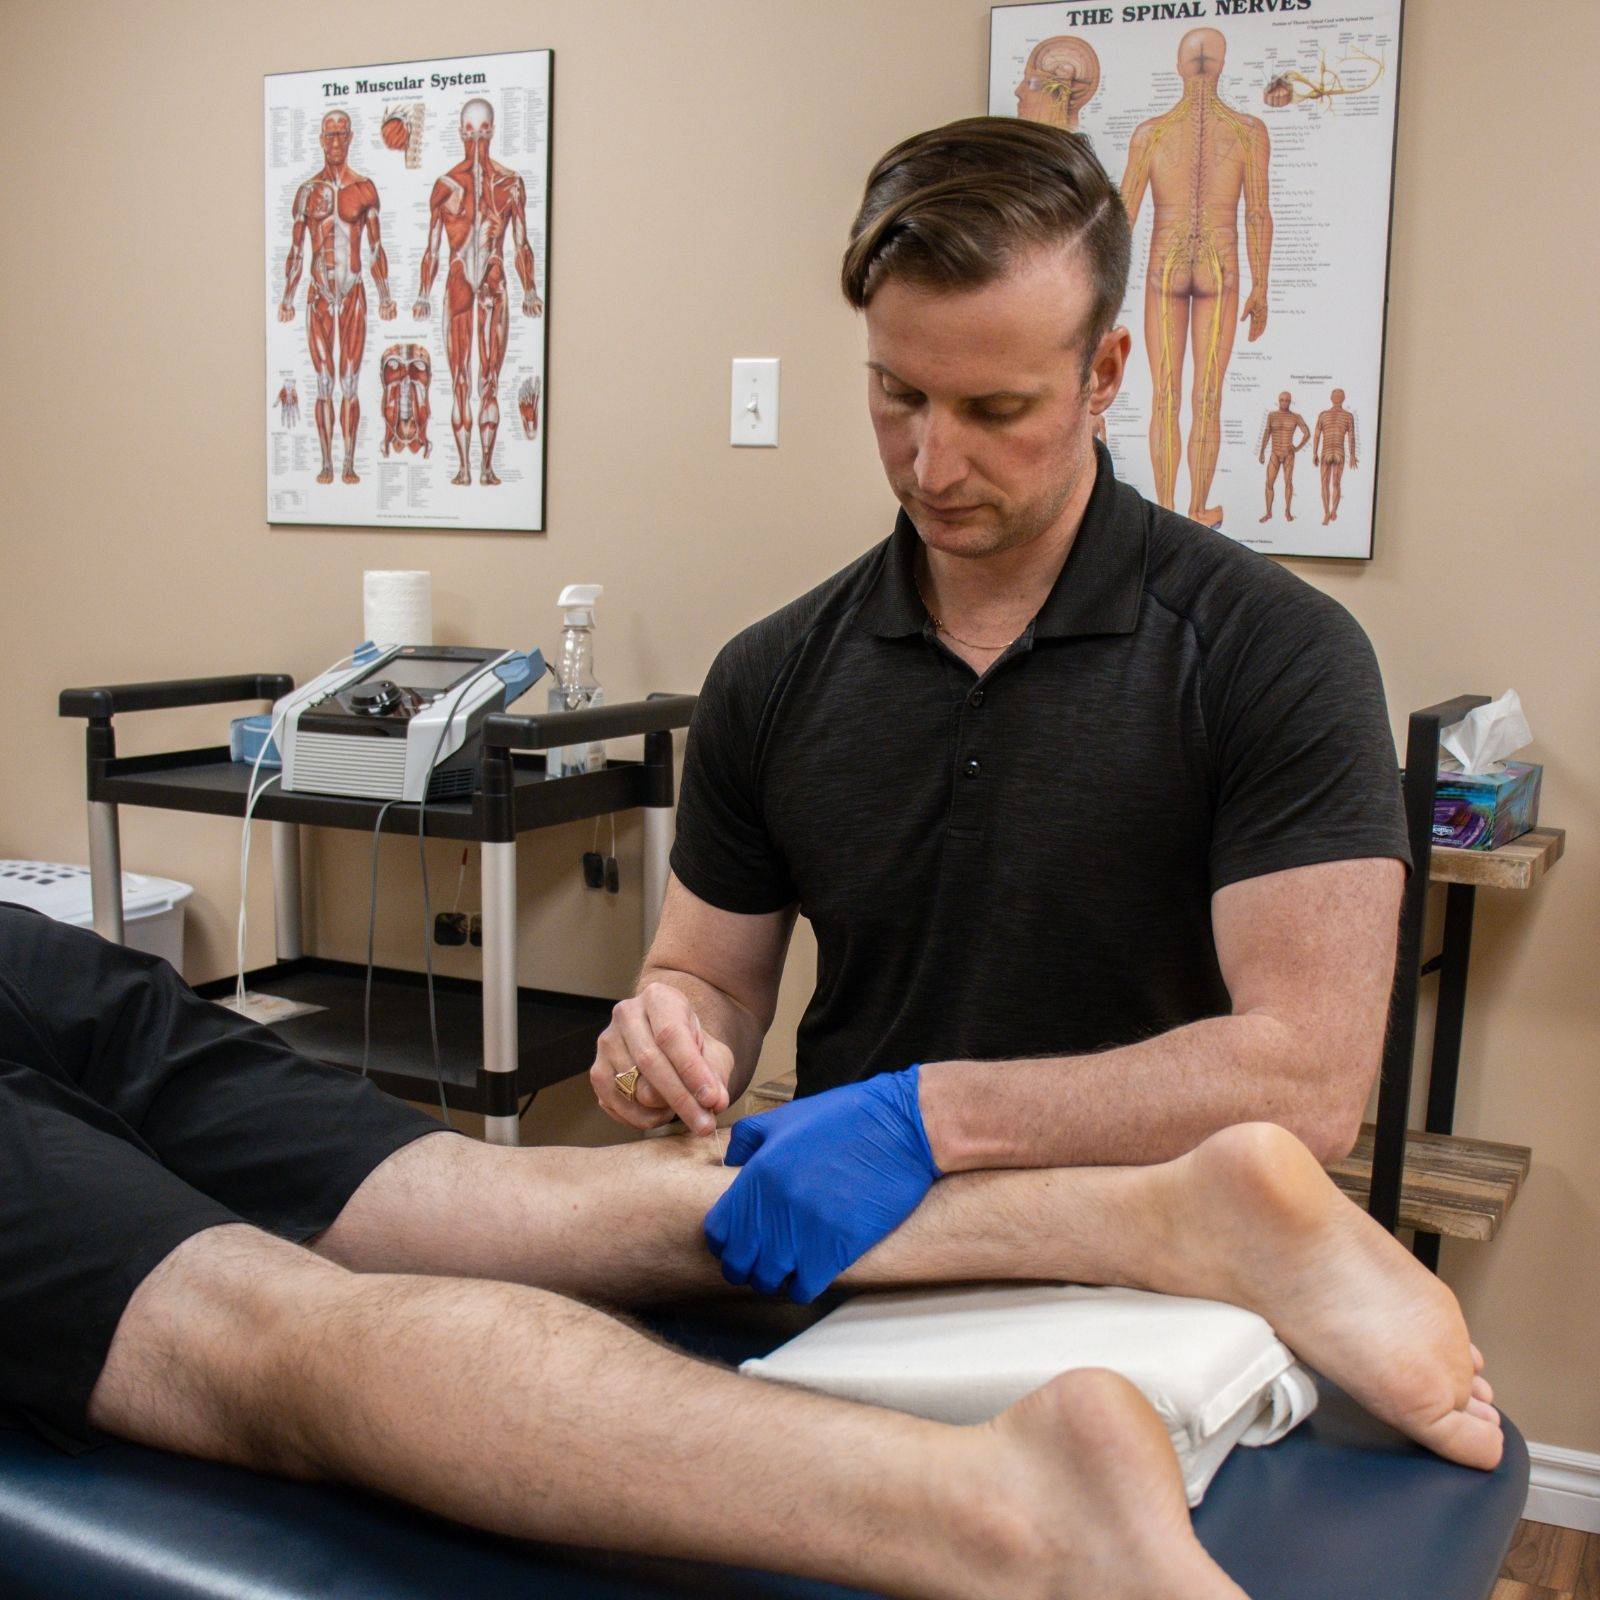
427,676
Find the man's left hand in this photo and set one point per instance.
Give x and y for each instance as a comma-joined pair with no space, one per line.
823,1180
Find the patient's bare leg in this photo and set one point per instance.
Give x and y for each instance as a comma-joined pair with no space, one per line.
1247,1217
530,1415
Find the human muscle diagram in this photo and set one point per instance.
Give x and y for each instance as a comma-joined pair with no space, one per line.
434,174
475,207
1253,148
288,403
334,210
402,131
528,407
407,373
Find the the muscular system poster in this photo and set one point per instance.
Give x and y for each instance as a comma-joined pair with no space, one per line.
407,215
1253,142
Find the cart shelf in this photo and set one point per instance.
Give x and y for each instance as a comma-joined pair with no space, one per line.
208,781
556,1032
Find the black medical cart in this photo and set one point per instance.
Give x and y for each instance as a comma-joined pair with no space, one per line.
499,1043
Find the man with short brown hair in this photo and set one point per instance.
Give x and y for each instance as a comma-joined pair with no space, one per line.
1094,812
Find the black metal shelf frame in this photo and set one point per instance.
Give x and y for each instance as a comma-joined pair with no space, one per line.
1394,1093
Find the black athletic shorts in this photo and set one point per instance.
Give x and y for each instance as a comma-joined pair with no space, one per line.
133,1115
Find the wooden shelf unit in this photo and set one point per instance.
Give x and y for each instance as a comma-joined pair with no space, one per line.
1517,865
1461,1188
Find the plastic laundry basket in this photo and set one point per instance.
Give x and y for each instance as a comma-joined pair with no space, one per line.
152,908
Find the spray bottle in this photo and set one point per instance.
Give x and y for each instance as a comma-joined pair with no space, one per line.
576,686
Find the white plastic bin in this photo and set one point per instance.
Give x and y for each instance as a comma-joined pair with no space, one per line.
152,908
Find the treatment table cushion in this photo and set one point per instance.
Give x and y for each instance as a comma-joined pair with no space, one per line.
1216,1375
1343,1509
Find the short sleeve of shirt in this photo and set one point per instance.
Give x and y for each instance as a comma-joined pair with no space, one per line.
1299,730
723,852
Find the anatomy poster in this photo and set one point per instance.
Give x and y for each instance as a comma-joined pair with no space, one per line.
407,222
1254,144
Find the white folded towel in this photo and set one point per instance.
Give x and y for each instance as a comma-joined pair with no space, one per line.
1217,1376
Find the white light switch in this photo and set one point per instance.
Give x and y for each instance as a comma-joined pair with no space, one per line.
755,401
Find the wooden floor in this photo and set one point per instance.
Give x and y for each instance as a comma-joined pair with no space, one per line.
1546,1563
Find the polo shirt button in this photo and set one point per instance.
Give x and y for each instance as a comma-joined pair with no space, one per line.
971,766
975,698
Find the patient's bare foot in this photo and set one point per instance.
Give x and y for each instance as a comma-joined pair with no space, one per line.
1081,1480
1268,1229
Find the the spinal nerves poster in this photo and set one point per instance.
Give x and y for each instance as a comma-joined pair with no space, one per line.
1253,144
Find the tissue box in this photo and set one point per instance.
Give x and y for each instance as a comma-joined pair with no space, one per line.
1481,811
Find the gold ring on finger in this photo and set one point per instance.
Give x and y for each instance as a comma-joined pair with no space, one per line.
628,1082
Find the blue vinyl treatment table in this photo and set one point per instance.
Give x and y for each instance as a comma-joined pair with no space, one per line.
1343,1509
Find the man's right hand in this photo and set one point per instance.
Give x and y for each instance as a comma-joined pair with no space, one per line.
683,1070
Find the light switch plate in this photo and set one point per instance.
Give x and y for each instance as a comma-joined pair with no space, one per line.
755,401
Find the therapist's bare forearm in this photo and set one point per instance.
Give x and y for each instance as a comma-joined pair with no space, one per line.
720,1015
1144,1102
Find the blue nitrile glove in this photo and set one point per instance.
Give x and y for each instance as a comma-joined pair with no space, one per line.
824,1179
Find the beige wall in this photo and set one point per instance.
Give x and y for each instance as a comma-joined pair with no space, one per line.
707,158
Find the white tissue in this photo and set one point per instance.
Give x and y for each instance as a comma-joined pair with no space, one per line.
1486,736
397,608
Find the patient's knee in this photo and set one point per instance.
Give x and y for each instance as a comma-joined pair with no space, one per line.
208,1354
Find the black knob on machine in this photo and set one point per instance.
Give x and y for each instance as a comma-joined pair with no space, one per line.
375,699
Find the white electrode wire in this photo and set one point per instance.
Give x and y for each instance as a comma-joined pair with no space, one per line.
252,794
244,877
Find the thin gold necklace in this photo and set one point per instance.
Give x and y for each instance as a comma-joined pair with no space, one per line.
971,644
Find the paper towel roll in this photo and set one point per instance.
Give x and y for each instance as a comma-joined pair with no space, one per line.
397,607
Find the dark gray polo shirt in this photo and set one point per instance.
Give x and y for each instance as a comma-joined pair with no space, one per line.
1023,864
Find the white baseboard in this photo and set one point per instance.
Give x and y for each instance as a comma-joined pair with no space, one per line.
1563,1488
